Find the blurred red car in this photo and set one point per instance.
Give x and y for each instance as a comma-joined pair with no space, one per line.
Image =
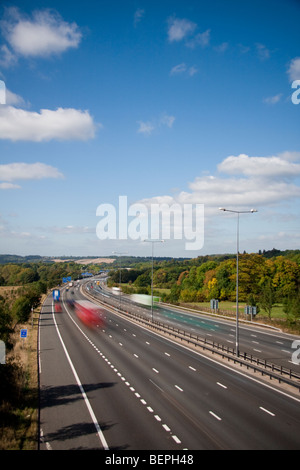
90,314
57,306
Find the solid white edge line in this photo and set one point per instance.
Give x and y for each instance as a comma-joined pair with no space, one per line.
267,411
89,407
221,385
215,416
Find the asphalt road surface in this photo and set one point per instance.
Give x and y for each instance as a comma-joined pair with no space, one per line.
122,387
266,344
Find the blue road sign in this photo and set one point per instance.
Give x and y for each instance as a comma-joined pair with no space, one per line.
56,294
67,279
23,333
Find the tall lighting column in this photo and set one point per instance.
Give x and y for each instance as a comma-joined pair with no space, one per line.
119,254
237,270
152,242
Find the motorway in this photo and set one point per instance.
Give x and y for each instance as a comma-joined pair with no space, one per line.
123,387
266,344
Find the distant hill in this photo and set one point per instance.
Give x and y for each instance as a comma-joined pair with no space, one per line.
16,259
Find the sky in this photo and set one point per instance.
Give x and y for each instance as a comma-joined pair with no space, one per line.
110,109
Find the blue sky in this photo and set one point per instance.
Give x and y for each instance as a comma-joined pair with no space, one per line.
176,102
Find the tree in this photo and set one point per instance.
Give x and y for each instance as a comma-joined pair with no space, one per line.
175,294
196,278
181,277
33,295
144,280
210,287
252,268
21,309
223,275
188,295
252,300
267,297
27,275
291,307
5,323
286,278
160,276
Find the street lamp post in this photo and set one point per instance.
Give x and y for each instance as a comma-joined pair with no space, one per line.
237,270
119,254
152,242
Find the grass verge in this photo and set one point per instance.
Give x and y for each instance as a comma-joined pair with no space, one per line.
19,383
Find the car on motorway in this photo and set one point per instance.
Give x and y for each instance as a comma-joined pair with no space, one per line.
57,306
88,313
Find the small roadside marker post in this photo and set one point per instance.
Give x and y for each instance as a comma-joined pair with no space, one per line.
23,334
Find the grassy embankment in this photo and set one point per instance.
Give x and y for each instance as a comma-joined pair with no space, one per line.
19,408
228,308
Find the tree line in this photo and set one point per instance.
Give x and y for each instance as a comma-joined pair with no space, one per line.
33,280
12,274
263,280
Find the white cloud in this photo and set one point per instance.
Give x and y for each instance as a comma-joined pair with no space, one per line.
290,156
26,171
273,99
243,49
179,29
138,15
222,47
7,58
61,124
238,192
294,69
201,39
282,238
251,182
263,51
7,232
182,68
145,128
148,127
178,69
15,100
69,230
167,120
266,167
44,34
192,71
10,98
9,186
